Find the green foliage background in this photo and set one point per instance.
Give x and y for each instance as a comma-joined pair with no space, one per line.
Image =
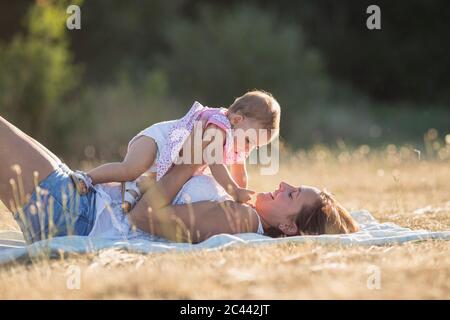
136,62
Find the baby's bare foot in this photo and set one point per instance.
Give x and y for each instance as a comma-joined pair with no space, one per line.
126,207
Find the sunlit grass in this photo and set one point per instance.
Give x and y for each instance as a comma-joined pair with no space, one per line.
395,183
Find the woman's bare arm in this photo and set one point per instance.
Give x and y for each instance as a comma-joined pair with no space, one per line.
191,222
194,222
197,221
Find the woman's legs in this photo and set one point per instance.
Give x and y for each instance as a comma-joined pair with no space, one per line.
17,148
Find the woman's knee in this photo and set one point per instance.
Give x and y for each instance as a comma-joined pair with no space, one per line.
23,163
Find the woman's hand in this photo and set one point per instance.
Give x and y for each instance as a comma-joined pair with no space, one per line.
161,193
82,182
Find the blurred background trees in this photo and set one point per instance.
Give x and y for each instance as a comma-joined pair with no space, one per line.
137,62
36,69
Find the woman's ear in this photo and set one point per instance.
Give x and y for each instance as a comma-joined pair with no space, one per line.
289,229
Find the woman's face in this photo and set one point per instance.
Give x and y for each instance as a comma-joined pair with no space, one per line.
279,208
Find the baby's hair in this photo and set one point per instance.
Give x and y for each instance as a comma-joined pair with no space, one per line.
258,105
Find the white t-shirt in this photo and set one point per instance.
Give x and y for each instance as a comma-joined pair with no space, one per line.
110,222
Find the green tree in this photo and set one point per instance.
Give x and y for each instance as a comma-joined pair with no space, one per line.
36,70
223,53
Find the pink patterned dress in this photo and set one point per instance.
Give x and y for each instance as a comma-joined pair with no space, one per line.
180,130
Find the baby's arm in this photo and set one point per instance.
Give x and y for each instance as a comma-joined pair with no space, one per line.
139,159
239,174
223,177
212,150
214,138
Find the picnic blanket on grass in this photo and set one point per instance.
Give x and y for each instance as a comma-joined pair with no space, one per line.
13,247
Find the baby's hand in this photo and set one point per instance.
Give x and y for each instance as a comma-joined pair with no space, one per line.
242,195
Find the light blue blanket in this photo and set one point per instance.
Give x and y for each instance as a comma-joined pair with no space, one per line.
13,248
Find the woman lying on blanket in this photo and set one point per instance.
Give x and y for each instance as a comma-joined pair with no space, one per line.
37,188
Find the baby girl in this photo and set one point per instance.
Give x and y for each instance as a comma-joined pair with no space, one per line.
160,146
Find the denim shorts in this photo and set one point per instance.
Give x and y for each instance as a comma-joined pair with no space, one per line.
55,209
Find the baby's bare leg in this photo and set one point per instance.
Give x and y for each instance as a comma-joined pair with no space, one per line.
140,157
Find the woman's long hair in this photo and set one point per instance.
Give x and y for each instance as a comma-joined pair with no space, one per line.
326,216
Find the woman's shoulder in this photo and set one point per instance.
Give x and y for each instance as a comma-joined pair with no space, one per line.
245,213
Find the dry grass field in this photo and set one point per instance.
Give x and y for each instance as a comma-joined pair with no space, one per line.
391,183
